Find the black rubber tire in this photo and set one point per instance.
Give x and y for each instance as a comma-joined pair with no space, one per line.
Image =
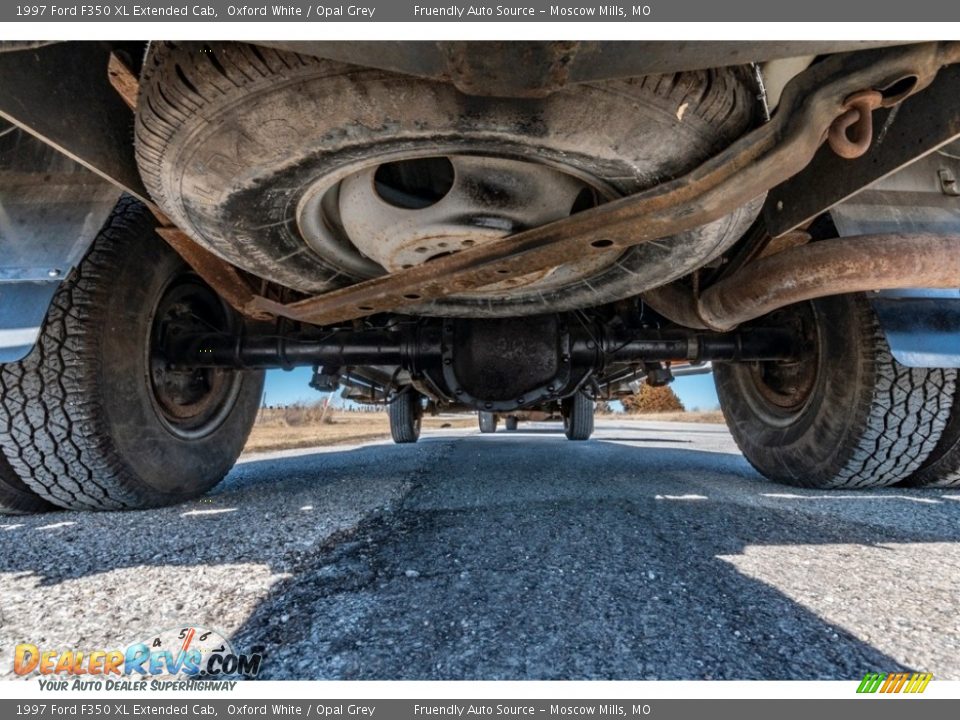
406,417
578,412
510,424
942,466
487,421
78,420
15,497
229,136
868,421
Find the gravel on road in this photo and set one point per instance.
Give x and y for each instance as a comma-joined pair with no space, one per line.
652,551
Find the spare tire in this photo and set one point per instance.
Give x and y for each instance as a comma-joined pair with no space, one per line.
246,148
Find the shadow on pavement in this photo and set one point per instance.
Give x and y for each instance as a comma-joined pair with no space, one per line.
521,560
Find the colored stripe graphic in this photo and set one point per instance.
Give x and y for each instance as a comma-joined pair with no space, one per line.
894,683
922,683
889,682
901,679
871,682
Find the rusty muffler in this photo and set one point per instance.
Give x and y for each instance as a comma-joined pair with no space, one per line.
828,267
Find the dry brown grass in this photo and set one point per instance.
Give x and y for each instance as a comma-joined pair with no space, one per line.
301,426
707,416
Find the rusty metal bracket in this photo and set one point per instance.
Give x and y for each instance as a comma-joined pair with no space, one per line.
904,133
123,80
98,132
762,159
226,279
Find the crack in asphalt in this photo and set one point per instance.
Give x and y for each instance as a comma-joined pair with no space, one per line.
651,552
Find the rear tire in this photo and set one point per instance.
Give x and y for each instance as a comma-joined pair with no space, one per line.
15,497
406,414
92,418
848,415
511,424
942,466
578,417
488,422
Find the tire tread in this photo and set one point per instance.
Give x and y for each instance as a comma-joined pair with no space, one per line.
54,428
16,498
403,413
579,424
900,415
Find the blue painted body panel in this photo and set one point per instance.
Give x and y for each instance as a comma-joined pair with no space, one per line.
51,209
922,327
23,306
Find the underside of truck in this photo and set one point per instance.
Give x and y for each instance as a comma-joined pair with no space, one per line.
510,228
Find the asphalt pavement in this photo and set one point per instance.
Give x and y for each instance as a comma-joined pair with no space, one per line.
652,551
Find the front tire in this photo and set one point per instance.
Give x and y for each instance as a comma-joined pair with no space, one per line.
406,416
847,415
578,417
511,423
92,418
488,422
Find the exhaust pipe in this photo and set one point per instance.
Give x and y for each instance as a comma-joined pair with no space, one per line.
828,267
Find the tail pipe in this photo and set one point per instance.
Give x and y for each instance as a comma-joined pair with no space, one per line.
828,267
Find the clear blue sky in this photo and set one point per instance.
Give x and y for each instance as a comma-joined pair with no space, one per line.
284,388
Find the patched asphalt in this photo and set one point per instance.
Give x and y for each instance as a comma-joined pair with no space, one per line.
652,551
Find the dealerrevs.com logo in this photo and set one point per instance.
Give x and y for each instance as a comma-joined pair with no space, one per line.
890,683
179,659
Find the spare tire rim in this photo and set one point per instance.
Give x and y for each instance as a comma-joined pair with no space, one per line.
406,210
190,402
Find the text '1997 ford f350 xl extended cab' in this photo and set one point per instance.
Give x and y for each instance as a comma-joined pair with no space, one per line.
503,227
